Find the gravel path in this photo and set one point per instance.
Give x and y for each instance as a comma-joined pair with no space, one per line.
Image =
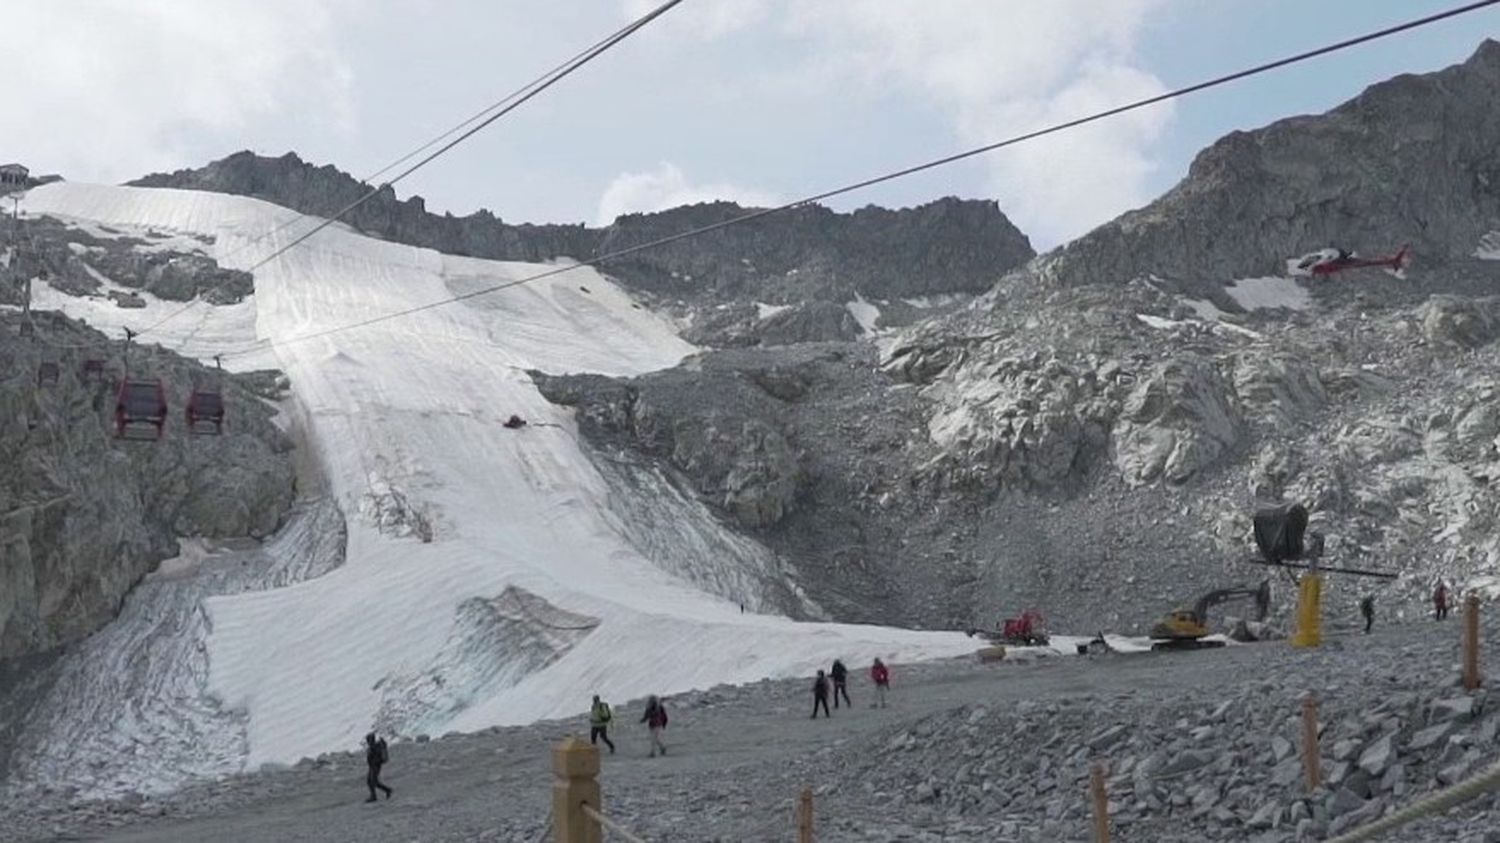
738,755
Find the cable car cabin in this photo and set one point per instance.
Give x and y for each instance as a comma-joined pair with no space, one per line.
205,413
92,371
140,410
47,374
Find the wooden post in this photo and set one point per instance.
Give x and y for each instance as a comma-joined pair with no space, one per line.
1101,803
1471,643
575,783
805,817
1311,758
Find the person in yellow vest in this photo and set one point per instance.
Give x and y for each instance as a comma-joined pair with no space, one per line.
599,719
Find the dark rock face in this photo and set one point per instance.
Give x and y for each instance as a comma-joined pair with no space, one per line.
808,253
73,261
83,516
1410,160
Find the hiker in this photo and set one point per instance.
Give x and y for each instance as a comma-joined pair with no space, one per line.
1440,601
376,754
599,719
881,676
514,423
1367,609
820,695
840,683
655,719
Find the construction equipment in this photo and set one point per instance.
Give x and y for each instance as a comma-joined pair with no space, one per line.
1186,629
1028,630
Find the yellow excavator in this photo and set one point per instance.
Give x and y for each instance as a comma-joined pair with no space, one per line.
1186,629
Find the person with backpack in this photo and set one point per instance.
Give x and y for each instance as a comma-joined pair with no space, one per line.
599,720
881,676
1440,601
377,753
840,683
820,695
1367,610
655,719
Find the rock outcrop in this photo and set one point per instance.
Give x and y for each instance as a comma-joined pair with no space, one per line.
84,516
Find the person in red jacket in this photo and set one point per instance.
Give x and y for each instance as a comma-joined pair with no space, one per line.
881,676
655,719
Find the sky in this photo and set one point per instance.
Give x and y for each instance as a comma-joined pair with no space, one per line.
758,101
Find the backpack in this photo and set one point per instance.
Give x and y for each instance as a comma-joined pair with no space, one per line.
382,751
605,715
663,710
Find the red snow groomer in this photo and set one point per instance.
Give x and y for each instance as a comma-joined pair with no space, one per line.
1030,629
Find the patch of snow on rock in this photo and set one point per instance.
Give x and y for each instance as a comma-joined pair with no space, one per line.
1269,293
864,313
1489,247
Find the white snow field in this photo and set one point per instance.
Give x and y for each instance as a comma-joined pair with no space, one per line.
529,597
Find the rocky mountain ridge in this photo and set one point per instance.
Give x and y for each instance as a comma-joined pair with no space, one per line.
795,258
1410,160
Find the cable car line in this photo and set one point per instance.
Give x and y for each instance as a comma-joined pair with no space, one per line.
897,174
567,68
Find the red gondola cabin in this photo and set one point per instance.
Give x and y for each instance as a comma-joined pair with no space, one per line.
140,410
205,413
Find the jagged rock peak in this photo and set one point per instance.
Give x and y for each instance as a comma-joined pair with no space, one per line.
1410,160
808,253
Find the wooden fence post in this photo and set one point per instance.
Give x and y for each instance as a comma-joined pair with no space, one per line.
1471,643
1101,803
575,783
1311,758
805,817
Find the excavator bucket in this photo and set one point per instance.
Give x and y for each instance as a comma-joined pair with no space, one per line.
1279,532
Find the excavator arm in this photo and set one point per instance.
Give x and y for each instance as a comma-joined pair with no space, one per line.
1261,594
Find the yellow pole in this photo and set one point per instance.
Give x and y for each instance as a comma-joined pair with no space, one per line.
575,783
1309,611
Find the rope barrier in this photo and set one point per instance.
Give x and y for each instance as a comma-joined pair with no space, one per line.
1431,806
611,824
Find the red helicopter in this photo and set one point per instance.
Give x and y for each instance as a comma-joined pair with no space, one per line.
1326,262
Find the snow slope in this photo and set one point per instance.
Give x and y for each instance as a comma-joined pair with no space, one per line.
530,596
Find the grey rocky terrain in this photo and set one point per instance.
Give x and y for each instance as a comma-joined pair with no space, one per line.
1091,436
73,260
1198,746
84,516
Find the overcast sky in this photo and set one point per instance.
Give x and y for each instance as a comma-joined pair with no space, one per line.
755,100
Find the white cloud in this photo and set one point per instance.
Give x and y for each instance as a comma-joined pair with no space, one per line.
996,70
667,187
1001,69
118,87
